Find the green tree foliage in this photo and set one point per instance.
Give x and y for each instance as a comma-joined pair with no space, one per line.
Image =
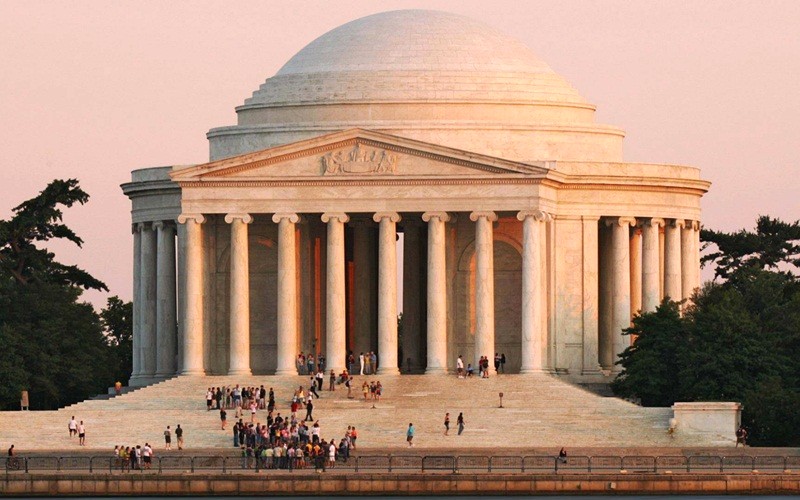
773,244
651,363
51,343
737,341
117,321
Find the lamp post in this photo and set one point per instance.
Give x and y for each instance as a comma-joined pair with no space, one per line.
501,400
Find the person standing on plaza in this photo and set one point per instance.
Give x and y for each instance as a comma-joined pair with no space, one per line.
223,417
73,427
332,386
81,434
460,422
374,362
503,362
460,366
497,362
410,435
179,436
361,363
309,409
446,424
168,438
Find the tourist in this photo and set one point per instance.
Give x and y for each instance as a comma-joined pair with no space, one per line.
460,366
368,363
262,397
73,427
350,361
460,423
179,436
361,363
136,455
741,437
223,417
353,437
374,362
209,398
310,363
253,409
446,424
218,397
365,390
147,456
236,434
320,379
312,390
562,456
332,378
503,362
349,385
410,435
332,454
315,433
486,367
309,409
168,438
81,434
378,390
117,387
497,362
470,370
321,364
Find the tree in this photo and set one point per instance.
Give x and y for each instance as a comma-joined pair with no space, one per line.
651,363
51,343
117,321
774,244
39,220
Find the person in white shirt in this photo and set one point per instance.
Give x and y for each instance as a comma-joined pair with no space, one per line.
460,367
73,427
147,456
81,434
332,454
361,362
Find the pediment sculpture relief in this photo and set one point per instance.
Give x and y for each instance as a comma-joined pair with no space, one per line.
359,160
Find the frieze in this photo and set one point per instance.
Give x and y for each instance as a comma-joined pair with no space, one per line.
359,160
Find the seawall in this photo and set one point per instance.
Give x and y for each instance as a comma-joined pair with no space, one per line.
392,483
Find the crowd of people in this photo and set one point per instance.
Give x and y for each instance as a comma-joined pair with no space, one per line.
483,366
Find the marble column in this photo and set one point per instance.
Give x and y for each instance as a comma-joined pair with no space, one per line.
672,259
534,343
621,285
591,286
148,304
192,345
484,285
696,281
605,303
136,372
287,293
239,344
687,260
651,280
636,269
437,293
166,308
335,325
387,292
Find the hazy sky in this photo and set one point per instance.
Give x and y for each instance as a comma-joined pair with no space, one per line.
93,90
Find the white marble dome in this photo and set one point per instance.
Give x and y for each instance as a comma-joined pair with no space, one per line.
427,75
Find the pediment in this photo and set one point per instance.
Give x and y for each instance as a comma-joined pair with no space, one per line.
355,153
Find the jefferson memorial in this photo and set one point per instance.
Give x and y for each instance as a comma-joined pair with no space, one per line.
422,138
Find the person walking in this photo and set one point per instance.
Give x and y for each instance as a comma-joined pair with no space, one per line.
309,409
73,427
81,434
446,424
168,438
460,422
410,435
223,417
179,436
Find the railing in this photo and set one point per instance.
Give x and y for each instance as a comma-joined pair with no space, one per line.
542,464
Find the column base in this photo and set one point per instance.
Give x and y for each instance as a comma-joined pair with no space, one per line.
528,371
286,373
388,371
135,381
164,376
194,373
592,371
436,371
240,373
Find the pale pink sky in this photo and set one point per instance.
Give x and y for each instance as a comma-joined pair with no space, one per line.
94,90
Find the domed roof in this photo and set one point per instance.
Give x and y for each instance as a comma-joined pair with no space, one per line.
410,55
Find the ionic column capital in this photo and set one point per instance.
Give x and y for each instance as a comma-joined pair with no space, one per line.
340,216
622,221
137,227
163,224
246,218
538,215
479,214
197,218
676,223
392,216
442,216
650,221
290,216
694,225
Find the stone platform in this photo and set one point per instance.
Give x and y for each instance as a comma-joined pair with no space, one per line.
539,411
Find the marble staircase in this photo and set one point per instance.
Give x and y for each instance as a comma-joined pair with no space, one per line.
538,411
